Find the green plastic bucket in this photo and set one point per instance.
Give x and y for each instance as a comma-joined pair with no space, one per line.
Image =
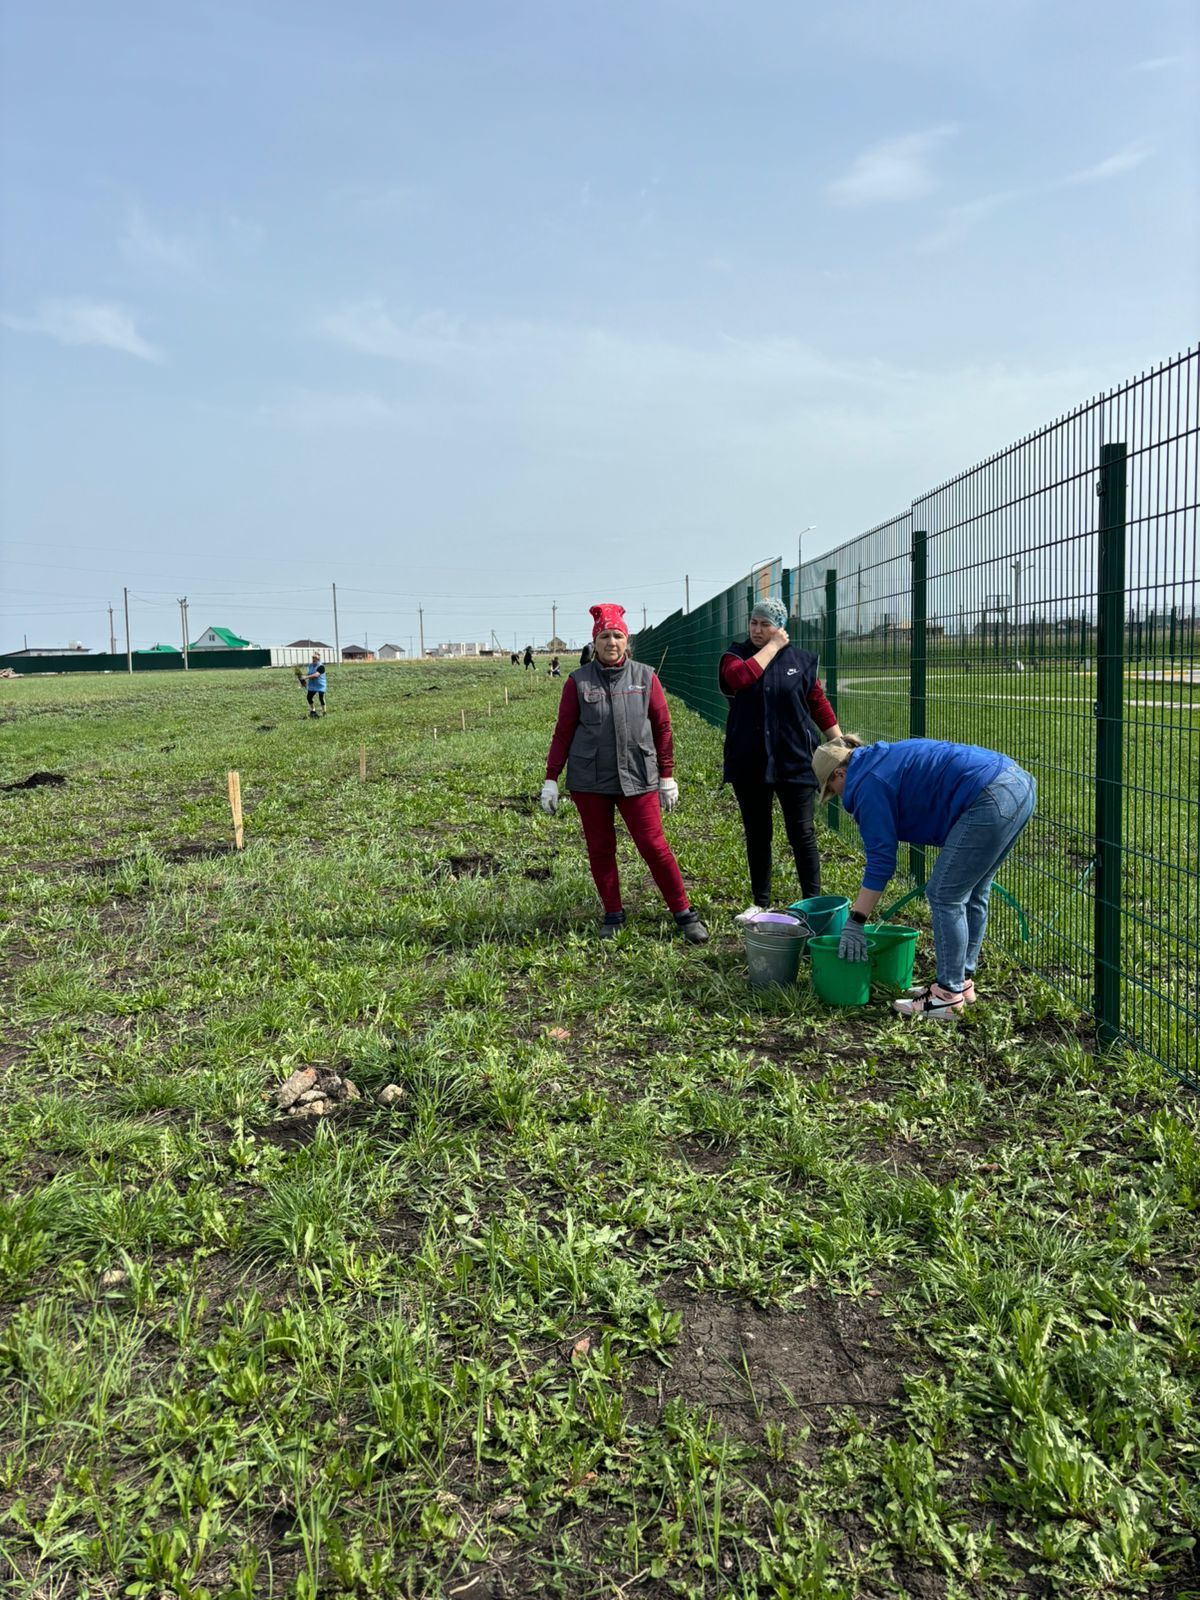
893,949
837,982
826,913
774,957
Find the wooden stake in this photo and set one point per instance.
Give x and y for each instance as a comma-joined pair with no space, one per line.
463,715
362,763
435,733
506,696
235,808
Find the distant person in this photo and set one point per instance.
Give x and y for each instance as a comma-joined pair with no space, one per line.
554,669
529,661
778,713
613,735
970,802
515,659
585,655
314,683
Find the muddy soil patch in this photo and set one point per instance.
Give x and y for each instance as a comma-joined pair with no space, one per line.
37,780
750,1367
473,866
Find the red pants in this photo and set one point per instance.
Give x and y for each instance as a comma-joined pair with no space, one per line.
642,815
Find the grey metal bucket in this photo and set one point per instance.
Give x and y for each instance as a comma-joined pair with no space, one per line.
773,951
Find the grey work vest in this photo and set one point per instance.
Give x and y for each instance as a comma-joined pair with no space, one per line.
613,748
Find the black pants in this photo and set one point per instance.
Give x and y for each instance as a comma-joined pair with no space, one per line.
797,801
313,694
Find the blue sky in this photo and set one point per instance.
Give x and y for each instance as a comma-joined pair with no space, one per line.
488,306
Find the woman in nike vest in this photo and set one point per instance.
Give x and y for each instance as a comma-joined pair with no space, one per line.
777,716
613,735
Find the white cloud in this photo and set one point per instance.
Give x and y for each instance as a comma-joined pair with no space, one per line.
146,246
894,169
77,322
960,219
723,407
1157,63
1112,166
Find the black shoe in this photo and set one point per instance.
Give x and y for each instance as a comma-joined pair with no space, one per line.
612,924
690,926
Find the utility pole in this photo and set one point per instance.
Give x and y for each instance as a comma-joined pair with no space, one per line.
421,626
337,643
643,617
183,629
128,646
112,637
1016,572
553,625
687,594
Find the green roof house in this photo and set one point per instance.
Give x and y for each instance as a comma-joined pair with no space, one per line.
159,650
220,639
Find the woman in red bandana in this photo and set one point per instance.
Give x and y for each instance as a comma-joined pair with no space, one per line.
613,735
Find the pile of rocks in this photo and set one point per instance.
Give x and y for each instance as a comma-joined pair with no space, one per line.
314,1092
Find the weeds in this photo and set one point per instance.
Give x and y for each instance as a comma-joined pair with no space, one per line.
647,1284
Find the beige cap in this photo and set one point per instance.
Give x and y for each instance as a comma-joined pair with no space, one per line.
827,758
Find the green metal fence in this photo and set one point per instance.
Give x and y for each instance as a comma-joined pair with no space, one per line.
1045,603
143,661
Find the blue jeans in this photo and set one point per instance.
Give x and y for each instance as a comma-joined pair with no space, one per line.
961,882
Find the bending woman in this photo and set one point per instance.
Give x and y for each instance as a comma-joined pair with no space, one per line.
972,803
613,735
777,715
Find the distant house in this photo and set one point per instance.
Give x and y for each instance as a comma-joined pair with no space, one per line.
390,652
161,650
220,639
73,649
310,644
556,646
357,652
457,648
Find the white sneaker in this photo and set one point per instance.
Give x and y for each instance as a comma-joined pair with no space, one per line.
749,914
968,992
932,1007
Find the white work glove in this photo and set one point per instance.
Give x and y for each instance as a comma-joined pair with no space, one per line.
668,794
549,797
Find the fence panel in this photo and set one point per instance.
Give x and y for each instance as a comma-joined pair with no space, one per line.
1045,603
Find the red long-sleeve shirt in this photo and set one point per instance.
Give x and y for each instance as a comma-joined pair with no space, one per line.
737,674
568,721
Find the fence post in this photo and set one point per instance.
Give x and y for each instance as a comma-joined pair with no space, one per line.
786,593
1108,711
916,676
834,813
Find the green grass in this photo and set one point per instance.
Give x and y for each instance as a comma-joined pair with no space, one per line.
648,1286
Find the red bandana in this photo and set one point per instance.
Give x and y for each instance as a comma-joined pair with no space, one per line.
609,616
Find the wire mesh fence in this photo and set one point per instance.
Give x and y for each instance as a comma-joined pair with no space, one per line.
1043,603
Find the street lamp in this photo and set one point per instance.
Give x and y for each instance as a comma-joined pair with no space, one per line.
800,571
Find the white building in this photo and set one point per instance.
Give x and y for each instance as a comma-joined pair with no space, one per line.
460,647
391,652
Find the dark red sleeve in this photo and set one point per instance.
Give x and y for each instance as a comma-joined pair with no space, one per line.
819,708
660,727
564,729
736,674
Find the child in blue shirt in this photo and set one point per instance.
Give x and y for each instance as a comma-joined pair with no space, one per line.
970,802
